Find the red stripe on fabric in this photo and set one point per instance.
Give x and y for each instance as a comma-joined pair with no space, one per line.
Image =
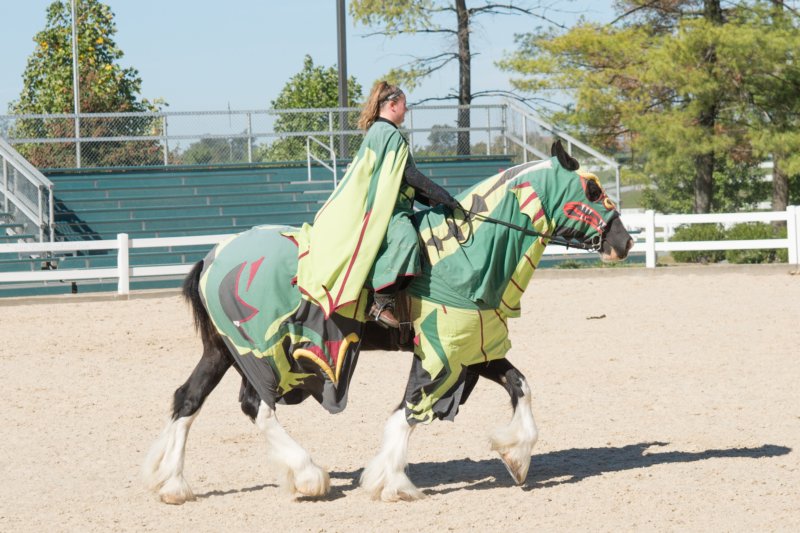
530,198
299,257
501,319
253,310
539,214
508,306
485,357
516,285
330,301
253,270
353,259
311,298
291,238
444,309
406,275
416,340
530,261
522,185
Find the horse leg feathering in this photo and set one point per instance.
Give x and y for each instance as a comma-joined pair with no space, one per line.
303,476
384,477
514,441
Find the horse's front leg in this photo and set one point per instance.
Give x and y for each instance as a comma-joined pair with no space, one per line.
162,469
514,441
303,476
384,477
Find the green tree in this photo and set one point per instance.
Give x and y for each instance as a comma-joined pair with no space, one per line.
768,82
668,79
104,86
214,151
313,87
442,140
449,18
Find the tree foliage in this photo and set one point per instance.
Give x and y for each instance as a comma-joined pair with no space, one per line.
454,20
104,86
313,87
213,151
698,94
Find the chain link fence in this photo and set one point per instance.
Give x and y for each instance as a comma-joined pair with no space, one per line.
226,137
275,135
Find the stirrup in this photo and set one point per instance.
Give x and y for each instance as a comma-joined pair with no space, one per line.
382,314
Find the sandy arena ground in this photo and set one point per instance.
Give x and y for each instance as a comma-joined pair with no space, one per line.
678,410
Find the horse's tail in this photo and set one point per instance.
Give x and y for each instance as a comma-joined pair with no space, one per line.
191,292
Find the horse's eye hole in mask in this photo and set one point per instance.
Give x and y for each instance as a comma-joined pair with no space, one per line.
593,190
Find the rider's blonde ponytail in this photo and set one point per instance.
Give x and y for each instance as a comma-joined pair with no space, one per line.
381,93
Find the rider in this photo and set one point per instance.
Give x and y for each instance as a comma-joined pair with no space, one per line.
363,235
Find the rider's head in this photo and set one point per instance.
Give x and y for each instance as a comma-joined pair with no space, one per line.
385,100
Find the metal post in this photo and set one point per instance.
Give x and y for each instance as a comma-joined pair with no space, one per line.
166,139
650,238
249,137
76,87
619,187
52,214
488,130
504,128
308,156
343,97
330,129
5,185
524,139
410,115
40,208
123,265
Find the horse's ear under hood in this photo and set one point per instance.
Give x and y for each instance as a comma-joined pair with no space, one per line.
566,160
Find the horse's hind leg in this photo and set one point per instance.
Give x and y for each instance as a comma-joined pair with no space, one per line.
514,441
384,477
303,476
163,467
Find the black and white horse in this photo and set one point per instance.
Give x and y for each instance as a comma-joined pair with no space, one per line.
512,216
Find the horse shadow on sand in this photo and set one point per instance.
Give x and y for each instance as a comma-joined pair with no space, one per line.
547,470
559,467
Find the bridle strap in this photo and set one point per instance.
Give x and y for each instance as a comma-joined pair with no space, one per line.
592,244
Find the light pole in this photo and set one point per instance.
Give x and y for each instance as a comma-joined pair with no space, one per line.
342,47
75,88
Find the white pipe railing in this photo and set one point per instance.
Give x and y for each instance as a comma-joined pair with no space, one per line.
310,156
647,242
39,210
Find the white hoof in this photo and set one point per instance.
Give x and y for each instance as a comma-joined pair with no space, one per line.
386,484
515,441
310,481
176,491
516,459
401,489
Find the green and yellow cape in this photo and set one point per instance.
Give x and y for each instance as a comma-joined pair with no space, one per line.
338,251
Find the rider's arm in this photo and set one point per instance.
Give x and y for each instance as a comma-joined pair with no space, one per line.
426,191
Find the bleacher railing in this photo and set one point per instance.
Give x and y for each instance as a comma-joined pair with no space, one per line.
26,193
645,224
310,156
529,136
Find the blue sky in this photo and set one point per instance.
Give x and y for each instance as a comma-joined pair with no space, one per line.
201,55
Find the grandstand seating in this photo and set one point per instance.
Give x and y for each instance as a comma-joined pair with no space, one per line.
177,201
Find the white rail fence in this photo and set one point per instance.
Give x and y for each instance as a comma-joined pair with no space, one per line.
644,225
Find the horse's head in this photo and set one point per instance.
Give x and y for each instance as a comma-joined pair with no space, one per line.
584,212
